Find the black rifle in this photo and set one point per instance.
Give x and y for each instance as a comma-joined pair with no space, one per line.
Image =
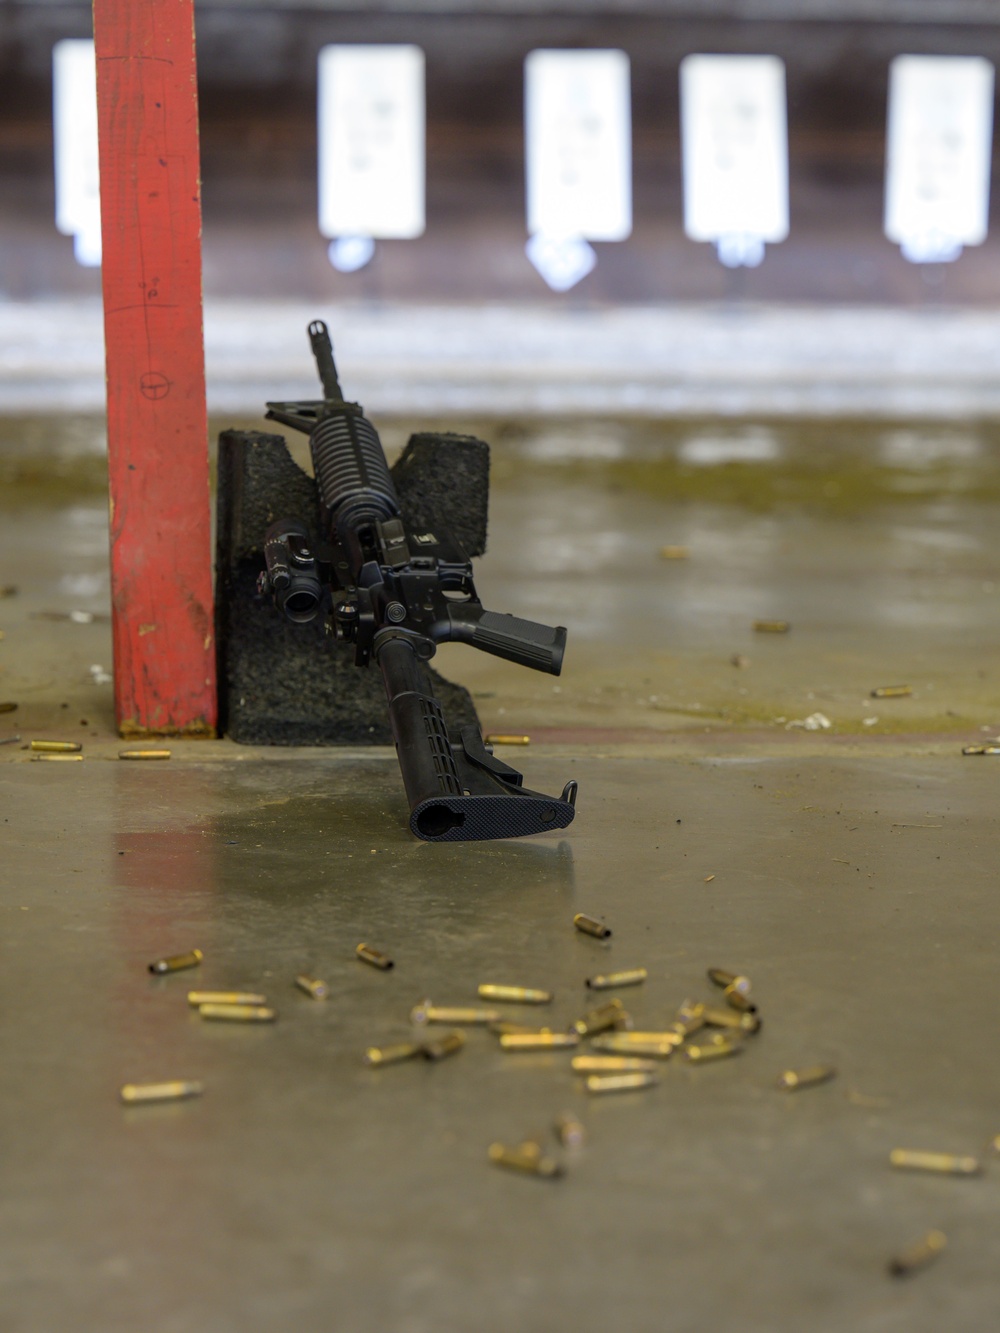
396,595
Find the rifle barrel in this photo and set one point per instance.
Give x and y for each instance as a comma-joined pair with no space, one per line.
322,347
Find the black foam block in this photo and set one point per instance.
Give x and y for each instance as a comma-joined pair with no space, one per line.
285,684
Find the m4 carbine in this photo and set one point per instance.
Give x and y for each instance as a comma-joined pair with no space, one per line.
396,595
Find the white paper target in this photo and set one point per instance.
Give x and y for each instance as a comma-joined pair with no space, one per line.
77,168
938,153
734,138
371,141
577,112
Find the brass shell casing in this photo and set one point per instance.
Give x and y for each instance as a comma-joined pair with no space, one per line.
514,994
178,962
135,1093
633,976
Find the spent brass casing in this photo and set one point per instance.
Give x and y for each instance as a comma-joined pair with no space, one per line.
311,986
569,1130
177,962
133,1093
792,1079
633,976
526,1157
716,1050
508,1029
598,1083
739,999
659,1046
690,1018
393,1054
591,926
426,1012
612,1064
505,738
238,1013
442,1047
973,749
945,1163
601,1019
8,706
771,626
514,994
197,997
369,955
919,1255
721,978
730,1019
539,1041
892,692
56,747
143,754
57,758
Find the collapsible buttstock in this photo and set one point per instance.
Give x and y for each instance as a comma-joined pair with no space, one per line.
456,795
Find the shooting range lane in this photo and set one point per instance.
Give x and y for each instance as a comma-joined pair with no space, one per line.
853,881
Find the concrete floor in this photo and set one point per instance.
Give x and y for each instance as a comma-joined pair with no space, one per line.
853,881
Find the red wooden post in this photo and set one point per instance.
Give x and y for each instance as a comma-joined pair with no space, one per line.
161,580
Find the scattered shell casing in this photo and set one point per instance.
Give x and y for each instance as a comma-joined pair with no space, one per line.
919,1255
720,977
569,1130
238,1013
539,1041
730,1019
8,740
426,1012
369,955
496,738
57,758
716,1050
738,999
771,626
316,990
8,706
527,1157
620,1082
946,1163
504,1028
177,962
514,994
659,1046
612,1064
56,747
591,926
143,754
197,997
792,1079
991,749
973,749
134,1093
892,692
633,976
393,1054
601,1019
690,1018
442,1047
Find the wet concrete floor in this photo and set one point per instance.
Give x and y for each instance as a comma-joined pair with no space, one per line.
847,869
